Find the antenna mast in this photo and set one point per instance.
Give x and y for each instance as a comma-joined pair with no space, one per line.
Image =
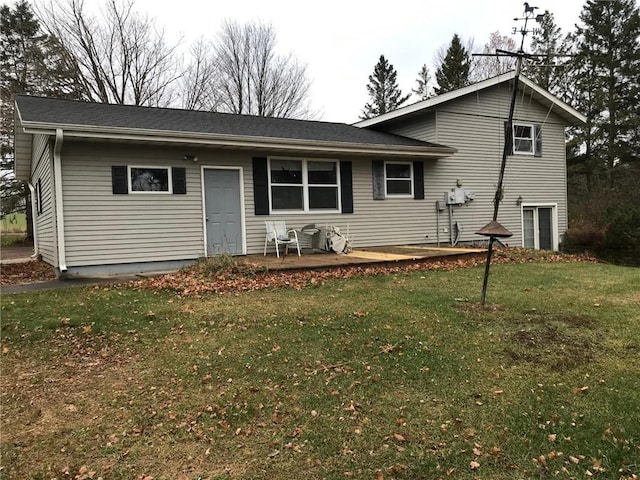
493,229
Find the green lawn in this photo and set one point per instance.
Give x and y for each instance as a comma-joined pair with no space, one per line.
399,376
13,223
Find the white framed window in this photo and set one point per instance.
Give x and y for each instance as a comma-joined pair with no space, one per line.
149,179
523,139
302,185
398,179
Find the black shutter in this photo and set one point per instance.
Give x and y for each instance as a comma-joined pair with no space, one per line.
260,186
119,181
346,185
538,140
179,179
377,168
418,180
508,138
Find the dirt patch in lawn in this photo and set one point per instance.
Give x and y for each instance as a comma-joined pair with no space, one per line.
550,347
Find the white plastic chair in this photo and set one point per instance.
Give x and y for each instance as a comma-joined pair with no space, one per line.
277,232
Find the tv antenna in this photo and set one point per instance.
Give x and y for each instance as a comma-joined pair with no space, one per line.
493,229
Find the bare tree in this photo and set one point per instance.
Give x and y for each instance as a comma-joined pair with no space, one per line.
120,57
253,79
198,86
487,67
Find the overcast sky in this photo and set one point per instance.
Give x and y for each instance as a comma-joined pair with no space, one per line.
342,40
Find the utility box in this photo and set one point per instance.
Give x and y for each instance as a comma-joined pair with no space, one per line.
459,196
455,196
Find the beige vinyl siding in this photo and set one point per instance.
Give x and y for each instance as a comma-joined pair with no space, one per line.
420,126
45,222
103,228
475,126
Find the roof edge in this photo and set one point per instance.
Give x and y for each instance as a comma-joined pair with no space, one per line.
454,94
178,137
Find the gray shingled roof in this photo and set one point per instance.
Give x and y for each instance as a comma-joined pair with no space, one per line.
57,112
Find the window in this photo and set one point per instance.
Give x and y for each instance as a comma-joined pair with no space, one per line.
303,185
150,179
398,179
523,139
38,197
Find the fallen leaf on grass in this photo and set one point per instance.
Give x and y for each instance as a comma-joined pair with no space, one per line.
388,348
399,438
474,465
579,390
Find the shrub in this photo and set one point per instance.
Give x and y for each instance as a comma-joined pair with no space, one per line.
583,235
622,235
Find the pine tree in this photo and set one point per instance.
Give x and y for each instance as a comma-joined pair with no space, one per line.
453,73
606,71
423,90
548,71
383,90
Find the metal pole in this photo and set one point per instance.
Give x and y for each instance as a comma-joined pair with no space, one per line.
508,140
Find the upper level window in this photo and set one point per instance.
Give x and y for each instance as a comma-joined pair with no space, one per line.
398,179
150,179
523,139
303,185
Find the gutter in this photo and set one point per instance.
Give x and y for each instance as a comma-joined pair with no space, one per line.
201,138
57,182
34,213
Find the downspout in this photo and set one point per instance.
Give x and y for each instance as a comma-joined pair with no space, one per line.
34,213
57,181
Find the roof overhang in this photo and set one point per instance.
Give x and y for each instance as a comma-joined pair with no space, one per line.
235,141
565,111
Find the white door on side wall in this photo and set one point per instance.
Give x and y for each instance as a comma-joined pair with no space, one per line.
538,228
223,211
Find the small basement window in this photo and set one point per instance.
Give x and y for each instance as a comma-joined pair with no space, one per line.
150,179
